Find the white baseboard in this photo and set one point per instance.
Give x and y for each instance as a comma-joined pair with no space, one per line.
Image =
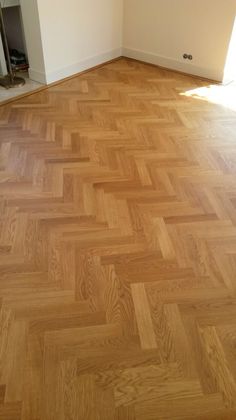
82,65
147,57
185,67
55,76
37,76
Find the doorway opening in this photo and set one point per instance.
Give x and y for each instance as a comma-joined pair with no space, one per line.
15,34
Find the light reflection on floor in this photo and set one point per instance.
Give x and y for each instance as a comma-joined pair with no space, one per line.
224,95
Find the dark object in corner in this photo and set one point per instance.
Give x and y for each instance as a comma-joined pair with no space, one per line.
9,81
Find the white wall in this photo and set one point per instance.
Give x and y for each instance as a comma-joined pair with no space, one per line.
78,34
31,25
230,67
66,37
160,31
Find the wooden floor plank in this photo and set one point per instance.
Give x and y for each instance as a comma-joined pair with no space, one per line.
118,250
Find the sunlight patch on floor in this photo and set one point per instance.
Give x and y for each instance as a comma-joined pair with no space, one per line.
216,94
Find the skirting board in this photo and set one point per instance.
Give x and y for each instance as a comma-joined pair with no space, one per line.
173,64
37,76
51,77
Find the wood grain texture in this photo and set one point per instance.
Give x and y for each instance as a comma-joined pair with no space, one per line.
118,250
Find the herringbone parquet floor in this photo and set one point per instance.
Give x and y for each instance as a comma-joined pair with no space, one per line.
118,251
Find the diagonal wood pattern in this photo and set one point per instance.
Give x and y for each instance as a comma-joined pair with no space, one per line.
118,251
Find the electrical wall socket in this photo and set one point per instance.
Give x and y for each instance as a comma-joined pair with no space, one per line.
187,57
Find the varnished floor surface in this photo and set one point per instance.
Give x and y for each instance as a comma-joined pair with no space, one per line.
118,250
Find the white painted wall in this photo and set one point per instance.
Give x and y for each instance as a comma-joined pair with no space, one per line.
66,37
78,34
230,67
160,31
31,25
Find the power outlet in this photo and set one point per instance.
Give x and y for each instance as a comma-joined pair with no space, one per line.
187,57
